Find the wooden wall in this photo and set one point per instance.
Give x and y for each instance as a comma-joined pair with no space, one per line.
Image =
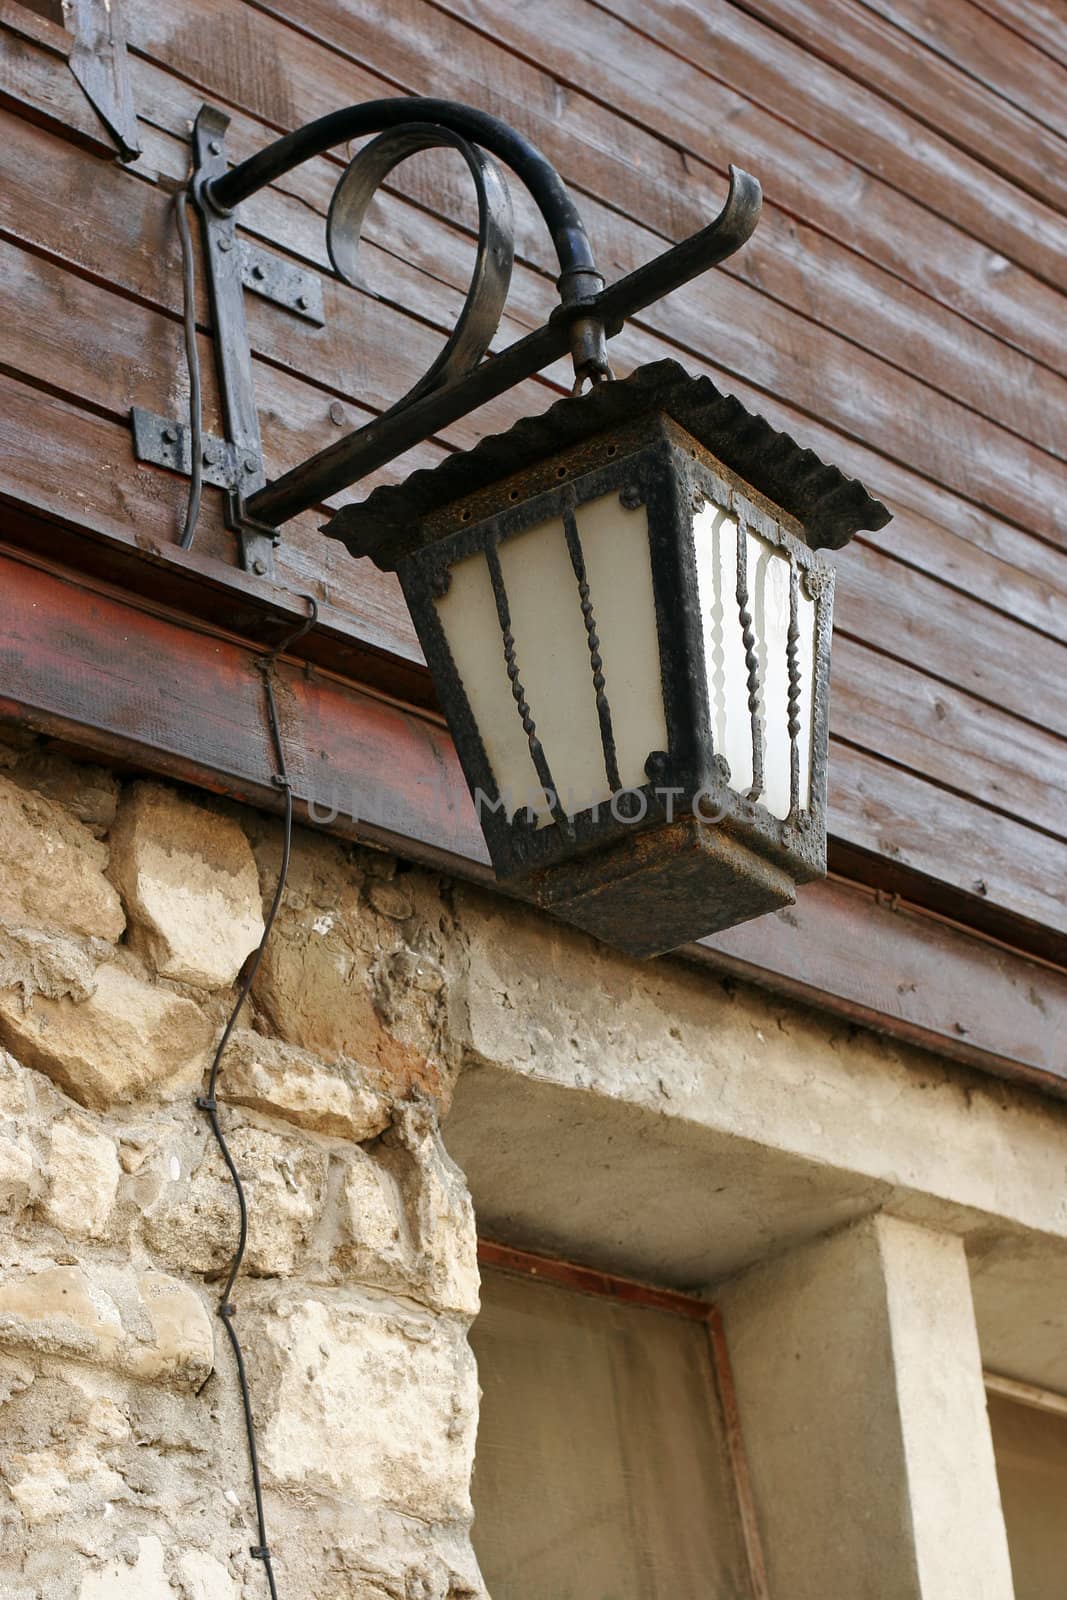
900,310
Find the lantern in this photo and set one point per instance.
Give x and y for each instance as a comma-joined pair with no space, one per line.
628,627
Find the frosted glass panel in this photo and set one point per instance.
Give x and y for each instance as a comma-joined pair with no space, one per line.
468,616
619,569
716,535
601,1471
553,654
551,645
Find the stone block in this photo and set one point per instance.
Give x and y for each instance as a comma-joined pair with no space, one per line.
204,1577
52,868
192,1225
336,967
286,1081
18,1173
83,1169
66,1479
118,1580
190,886
36,961
407,1222
127,1039
149,1327
89,792
367,1402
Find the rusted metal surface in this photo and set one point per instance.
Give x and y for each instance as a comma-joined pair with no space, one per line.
589,1280
98,61
735,1440
830,506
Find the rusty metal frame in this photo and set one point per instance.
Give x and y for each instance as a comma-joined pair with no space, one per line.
648,1297
98,61
647,439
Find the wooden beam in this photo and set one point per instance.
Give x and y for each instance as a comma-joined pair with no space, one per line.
137,684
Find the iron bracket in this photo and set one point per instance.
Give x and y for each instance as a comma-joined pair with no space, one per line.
459,380
225,260
282,282
166,442
234,463
99,62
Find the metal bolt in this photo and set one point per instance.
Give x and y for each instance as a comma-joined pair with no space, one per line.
225,244
302,301
169,436
250,463
215,147
337,413
211,455
259,567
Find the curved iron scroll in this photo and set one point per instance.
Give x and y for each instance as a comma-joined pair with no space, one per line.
458,381
491,278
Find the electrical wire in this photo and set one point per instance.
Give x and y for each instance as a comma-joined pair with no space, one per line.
208,1103
192,361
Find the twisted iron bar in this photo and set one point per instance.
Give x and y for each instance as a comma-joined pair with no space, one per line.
518,692
748,638
596,661
792,656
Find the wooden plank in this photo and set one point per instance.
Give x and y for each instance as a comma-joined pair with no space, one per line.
591,1280
929,838
986,50
973,551
933,548
1043,22
879,704
923,978
912,422
795,265
36,81
412,44
846,34
898,615
162,701
131,244
961,744
816,99
953,845
880,602
932,431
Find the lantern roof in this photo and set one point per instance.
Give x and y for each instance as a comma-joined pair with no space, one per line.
829,506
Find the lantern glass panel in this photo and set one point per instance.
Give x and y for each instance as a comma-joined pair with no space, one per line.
559,653
766,573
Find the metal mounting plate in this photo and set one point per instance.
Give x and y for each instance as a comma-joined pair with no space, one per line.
281,282
165,442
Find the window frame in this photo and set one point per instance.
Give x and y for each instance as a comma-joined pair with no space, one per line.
631,1293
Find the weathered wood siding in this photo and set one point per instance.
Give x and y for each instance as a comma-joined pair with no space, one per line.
900,309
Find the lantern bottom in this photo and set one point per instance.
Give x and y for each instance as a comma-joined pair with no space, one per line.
665,887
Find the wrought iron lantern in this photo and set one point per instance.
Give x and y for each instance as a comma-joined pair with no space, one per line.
621,601
628,627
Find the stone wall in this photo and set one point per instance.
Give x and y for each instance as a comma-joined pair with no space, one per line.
651,1119
126,912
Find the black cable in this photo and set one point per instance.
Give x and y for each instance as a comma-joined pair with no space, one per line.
208,1103
192,359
